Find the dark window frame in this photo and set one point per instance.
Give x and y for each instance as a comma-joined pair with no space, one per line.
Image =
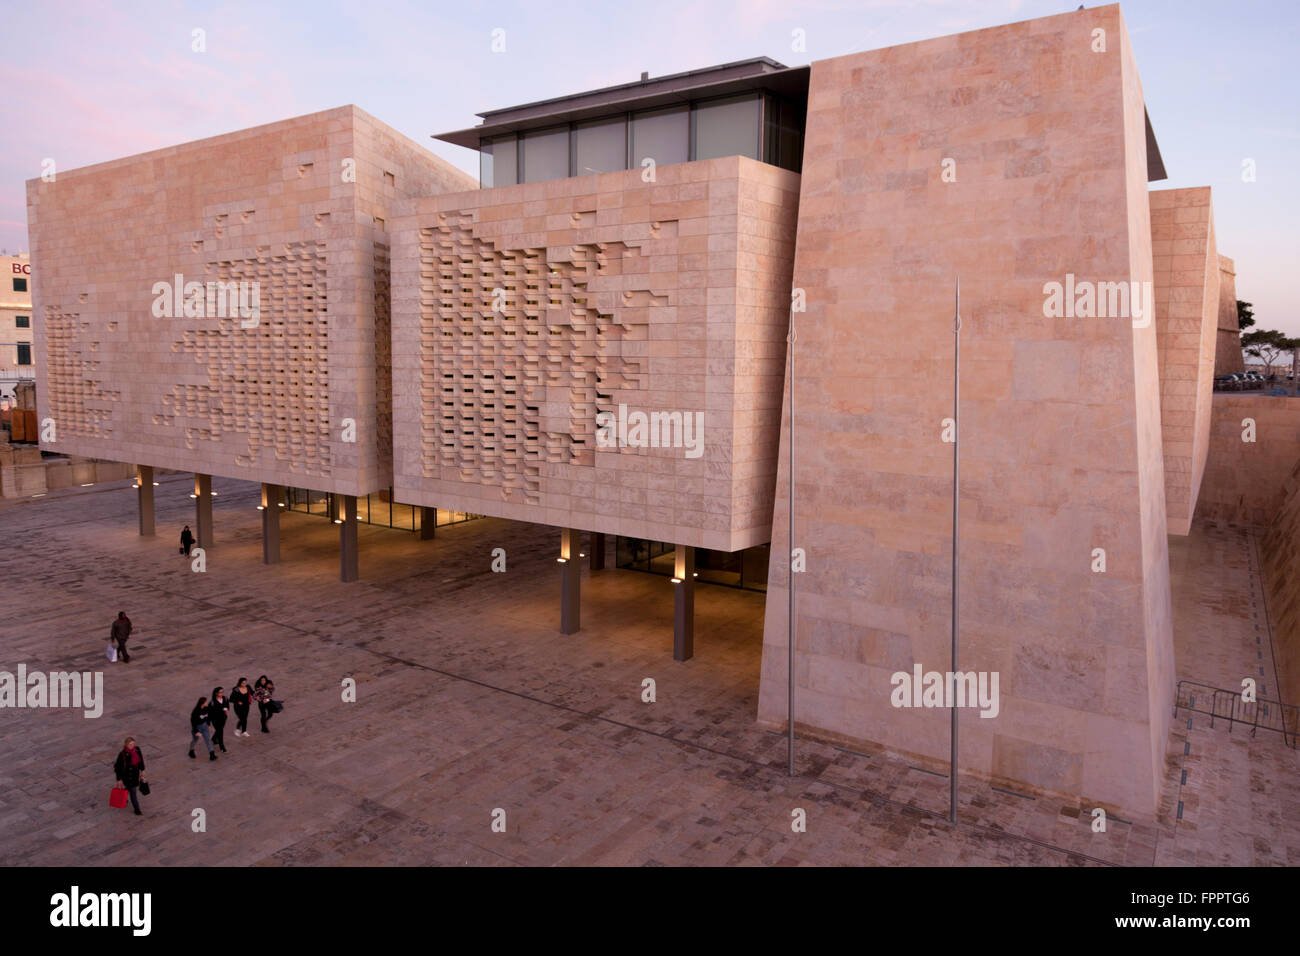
24,348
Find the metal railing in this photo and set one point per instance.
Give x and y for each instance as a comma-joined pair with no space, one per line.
1225,704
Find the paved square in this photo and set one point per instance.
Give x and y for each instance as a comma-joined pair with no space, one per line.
470,700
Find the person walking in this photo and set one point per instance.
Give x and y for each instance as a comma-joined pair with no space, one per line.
119,634
129,769
242,698
200,726
262,692
219,713
187,539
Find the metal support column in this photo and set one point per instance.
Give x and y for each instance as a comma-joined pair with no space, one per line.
598,551
271,495
144,499
428,523
203,510
570,581
349,569
683,603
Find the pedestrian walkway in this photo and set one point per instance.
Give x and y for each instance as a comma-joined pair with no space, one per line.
469,701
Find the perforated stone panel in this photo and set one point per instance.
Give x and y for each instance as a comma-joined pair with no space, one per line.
297,207
521,313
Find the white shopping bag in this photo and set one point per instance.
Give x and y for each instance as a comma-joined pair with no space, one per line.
112,653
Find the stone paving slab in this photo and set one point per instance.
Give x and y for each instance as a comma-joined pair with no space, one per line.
470,700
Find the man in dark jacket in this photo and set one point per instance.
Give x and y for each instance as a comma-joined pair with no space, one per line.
121,631
187,539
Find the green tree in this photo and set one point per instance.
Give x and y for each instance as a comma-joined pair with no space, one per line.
1245,315
1267,345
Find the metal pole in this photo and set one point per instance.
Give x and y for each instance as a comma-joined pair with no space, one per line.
789,712
956,439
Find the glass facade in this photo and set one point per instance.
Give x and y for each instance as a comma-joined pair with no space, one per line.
758,125
730,127
499,162
599,147
378,508
545,155
745,569
661,135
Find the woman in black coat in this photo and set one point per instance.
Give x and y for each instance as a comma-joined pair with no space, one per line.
242,698
129,768
219,713
200,726
187,539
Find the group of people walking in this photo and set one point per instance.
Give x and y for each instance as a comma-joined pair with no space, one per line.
209,716
207,723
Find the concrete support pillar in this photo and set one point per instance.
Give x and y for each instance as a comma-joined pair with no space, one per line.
683,603
203,510
570,582
598,551
333,506
271,497
428,523
144,497
349,569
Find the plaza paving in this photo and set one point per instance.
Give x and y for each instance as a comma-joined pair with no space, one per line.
470,700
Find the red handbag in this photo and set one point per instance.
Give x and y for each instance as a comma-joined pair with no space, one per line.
117,798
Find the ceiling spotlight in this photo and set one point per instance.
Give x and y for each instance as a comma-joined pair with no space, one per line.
261,507
677,580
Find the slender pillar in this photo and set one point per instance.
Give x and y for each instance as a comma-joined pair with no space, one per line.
683,603
349,569
203,510
598,551
144,481
428,523
570,582
271,495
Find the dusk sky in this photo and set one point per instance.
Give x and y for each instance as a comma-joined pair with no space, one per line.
87,82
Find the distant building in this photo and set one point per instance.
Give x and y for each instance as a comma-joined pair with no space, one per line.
16,360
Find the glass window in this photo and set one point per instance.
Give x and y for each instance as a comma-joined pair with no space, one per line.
20,285
600,147
728,127
23,321
24,353
545,155
498,162
661,135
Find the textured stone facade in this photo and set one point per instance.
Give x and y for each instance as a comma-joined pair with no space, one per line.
1244,479
521,313
298,208
1186,269
1227,356
1060,425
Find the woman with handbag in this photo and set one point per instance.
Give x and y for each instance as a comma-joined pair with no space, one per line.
262,693
200,726
129,769
218,714
242,698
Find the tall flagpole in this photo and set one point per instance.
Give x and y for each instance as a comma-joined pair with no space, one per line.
956,439
789,712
